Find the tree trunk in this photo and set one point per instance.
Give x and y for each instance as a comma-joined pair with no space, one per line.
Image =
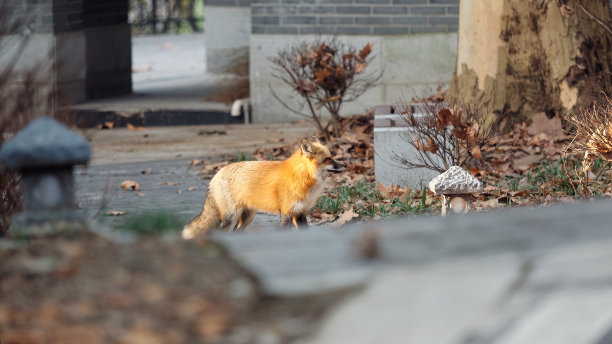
521,57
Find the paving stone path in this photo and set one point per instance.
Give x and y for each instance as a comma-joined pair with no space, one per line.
169,186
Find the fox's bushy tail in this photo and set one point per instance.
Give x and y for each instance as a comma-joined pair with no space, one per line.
208,219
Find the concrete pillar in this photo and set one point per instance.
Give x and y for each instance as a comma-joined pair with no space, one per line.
71,50
109,48
228,30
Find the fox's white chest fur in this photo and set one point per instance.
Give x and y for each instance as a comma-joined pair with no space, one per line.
303,206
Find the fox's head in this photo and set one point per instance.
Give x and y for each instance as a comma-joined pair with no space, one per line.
313,149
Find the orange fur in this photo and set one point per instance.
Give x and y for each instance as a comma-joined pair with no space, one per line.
289,188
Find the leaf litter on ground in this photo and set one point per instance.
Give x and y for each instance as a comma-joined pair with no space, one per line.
521,168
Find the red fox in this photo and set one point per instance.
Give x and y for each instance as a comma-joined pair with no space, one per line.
289,188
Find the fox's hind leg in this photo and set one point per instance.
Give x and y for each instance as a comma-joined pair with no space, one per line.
227,221
297,221
246,216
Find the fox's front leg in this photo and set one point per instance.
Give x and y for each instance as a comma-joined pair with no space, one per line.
296,220
299,220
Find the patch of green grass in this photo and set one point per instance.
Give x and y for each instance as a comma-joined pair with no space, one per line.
366,200
550,177
152,223
243,156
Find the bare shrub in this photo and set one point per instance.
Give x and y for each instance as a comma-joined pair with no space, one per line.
325,73
447,136
593,134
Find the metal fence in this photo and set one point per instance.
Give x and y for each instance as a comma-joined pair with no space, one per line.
166,16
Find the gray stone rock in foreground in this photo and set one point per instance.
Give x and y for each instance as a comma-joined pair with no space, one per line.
45,143
455,181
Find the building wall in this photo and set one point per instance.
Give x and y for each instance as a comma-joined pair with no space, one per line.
76,49
354,17
228,28
415,44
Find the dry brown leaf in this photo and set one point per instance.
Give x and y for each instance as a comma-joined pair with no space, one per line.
135,128
365,51
215,167
320,75
115,213
130,185
431,146
393,190
191,188
524,193
445,116
345,217
385,191
476,153
140,194
360,67
106,125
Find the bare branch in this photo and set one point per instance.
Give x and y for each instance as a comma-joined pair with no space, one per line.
593,17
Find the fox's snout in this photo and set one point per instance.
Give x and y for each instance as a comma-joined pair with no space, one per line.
336,166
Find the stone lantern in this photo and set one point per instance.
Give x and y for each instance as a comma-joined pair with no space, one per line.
457,187
45,152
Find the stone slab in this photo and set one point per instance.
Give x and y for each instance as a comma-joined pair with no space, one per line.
392,141
508,276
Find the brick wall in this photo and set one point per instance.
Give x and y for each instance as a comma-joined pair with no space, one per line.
31,15
354,17
229,3
64,15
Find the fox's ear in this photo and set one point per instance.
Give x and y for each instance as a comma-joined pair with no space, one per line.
315,139
306,146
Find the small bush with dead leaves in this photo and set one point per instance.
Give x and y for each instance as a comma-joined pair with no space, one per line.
445,137
593,133
325,73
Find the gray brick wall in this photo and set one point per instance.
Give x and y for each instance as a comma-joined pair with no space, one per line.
64,15
227,3
27,15
353,17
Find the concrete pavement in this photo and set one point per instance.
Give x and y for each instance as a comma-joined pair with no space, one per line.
159,159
